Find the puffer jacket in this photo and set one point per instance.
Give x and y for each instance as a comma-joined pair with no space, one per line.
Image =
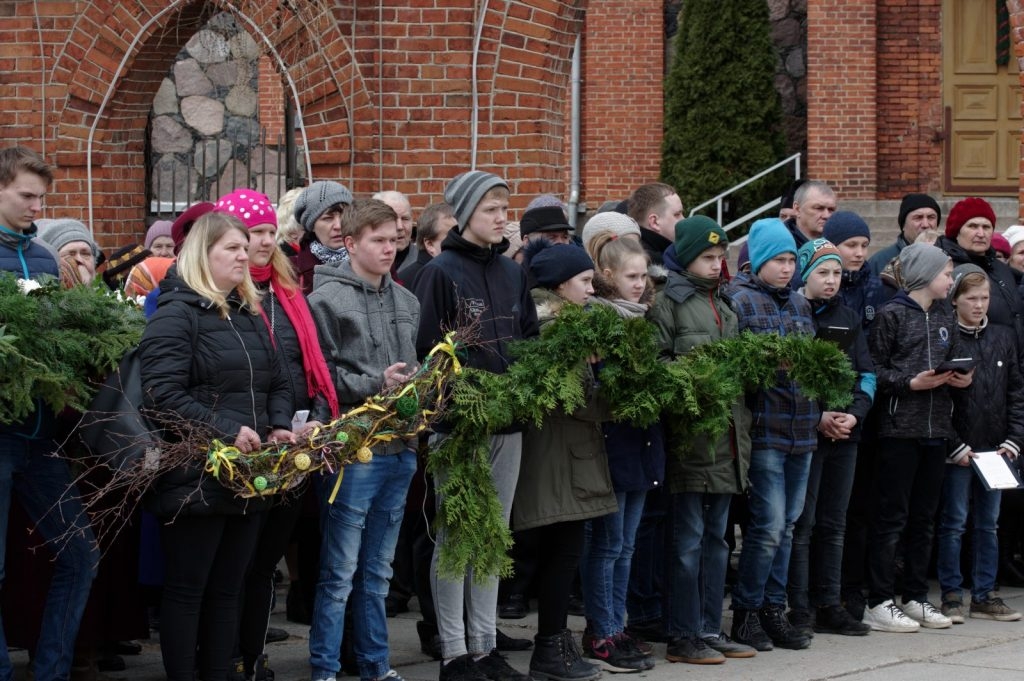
688,312
220,374
989,413
286,340
1005,308
833,313
363,330
564,473
784,419
21,254
904,341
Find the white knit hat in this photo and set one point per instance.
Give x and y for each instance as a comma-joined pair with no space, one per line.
608,222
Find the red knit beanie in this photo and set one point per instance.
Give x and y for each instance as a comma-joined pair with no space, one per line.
971,207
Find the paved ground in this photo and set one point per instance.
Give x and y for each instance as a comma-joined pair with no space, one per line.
976,651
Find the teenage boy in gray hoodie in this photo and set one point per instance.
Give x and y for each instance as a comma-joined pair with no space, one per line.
367,326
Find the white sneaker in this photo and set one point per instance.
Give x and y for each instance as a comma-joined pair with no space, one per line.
927,615
887,616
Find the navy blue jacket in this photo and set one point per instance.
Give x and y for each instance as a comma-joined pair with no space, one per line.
863,292
20,254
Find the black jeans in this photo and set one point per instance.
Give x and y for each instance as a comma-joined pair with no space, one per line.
206,557
276,527
556,569
815,567
909,482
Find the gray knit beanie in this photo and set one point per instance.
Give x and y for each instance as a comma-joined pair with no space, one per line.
61,232
467,190
920,264
959,272
608,222
316,199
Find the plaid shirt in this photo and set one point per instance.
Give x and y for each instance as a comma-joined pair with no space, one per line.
784,419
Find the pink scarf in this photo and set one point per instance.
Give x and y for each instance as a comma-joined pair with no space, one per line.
318,377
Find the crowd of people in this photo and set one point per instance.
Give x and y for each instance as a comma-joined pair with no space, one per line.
265,322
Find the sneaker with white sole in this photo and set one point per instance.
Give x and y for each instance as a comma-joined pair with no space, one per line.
887,616
927,615
993,608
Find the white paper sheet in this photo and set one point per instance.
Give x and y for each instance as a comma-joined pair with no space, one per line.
994,470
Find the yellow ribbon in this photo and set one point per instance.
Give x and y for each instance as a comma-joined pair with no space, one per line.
447,346
221,455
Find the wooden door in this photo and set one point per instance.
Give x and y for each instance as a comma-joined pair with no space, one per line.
981,103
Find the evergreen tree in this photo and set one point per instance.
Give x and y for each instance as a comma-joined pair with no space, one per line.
722,113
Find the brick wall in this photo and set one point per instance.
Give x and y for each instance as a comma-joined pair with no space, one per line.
384,90
623,97
841,86
909,98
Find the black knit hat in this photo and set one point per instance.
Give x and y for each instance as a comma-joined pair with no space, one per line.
912,202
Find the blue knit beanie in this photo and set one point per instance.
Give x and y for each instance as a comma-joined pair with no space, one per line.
843,225
558,263
768,238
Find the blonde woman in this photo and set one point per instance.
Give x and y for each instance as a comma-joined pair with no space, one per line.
207,359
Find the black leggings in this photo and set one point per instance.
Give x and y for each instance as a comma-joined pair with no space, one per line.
275,533
206,559
556,569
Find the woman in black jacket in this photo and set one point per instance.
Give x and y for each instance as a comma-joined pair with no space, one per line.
208,361
295,338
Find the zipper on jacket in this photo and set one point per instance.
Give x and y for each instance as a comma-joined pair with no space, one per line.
252,378
931,394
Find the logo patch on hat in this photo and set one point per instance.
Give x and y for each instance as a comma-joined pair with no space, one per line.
713,237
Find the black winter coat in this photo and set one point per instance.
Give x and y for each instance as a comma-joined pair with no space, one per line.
989,413
231,377
466,284
833,313
1005,306
904,341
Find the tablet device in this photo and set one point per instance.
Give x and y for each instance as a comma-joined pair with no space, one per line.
842,336
959,364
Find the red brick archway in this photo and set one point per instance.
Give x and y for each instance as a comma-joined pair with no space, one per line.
385,91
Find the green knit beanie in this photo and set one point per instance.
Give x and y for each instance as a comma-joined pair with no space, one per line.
696,234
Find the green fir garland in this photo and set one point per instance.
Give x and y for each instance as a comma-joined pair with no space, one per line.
56,342
697,390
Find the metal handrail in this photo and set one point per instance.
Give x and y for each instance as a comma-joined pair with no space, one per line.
794,159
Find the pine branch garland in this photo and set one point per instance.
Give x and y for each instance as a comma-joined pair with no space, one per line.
55,342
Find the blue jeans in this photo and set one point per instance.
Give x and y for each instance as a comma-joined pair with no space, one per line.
42,483
815,570
962,489
648,589
778,482
604,569
699,561
359,532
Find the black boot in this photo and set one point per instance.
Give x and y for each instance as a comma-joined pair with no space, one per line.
557,658
746,629
779,630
